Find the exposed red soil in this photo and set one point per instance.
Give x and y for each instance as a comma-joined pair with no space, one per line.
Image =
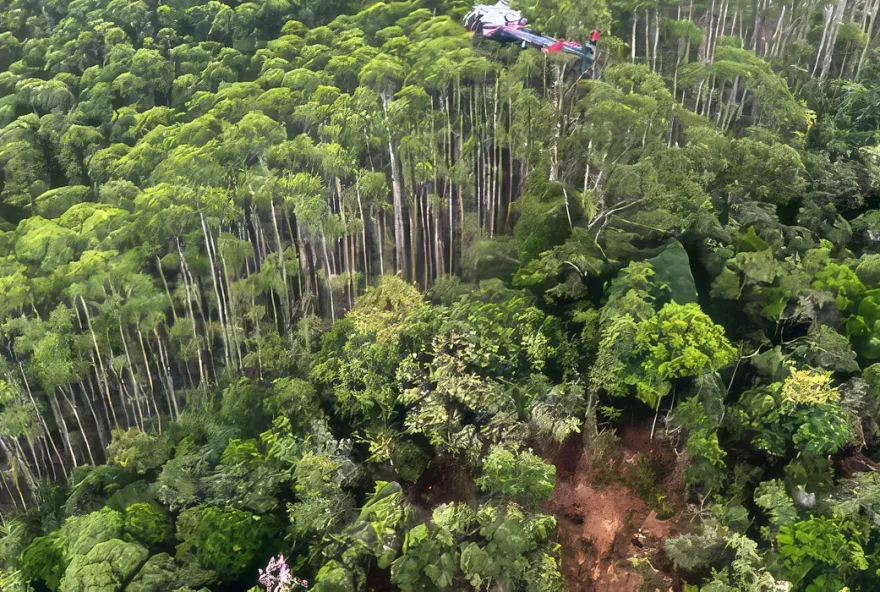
603,525
849,462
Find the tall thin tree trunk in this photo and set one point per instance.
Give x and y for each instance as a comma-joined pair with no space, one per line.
329,276
380,239
426,241
169,380
839,12
451,193
233,317
13,461
397,201
756,12
102,440
34,454
363,234
189,298
101,370
699,96
510,137
346,255
43,422
95,387
149,377
656,39
633,36
59,419
707,55
87,392
167,291
868,40
221,315
413,231
719,27
683,46
776,34
710,97
829,12
728,108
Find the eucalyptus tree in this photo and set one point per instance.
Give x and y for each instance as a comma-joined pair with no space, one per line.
384,74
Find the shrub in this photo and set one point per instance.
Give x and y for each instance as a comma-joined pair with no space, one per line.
226,541
146,523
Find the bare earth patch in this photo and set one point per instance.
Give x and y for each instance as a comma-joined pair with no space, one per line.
604,526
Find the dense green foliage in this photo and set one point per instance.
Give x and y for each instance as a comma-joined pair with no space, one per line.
267,267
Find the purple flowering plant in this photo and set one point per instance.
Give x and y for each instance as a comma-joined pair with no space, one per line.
277,577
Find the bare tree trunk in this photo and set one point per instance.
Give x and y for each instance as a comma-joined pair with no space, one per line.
832,39
656,40
756,12
380,240
133,398
587,177
346,259
167,291
6,485
427,239
18,463
868,30
43,422
102,371
9,492
846,61
707,56
509,159
829,12
719,26
557,133
221,315
231,311
363,234
707,106
34,454
169,380
329,276
59,419
496,184
450,195
774,41
134,381
699,96
742,104
149,378
88,394
683,46
413,233
189,298
440,268
633,45
397,197
79,423
226,296
866,10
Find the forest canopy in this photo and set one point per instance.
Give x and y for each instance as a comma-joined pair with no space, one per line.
328,295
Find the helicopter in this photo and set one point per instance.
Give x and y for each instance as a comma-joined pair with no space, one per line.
502,24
